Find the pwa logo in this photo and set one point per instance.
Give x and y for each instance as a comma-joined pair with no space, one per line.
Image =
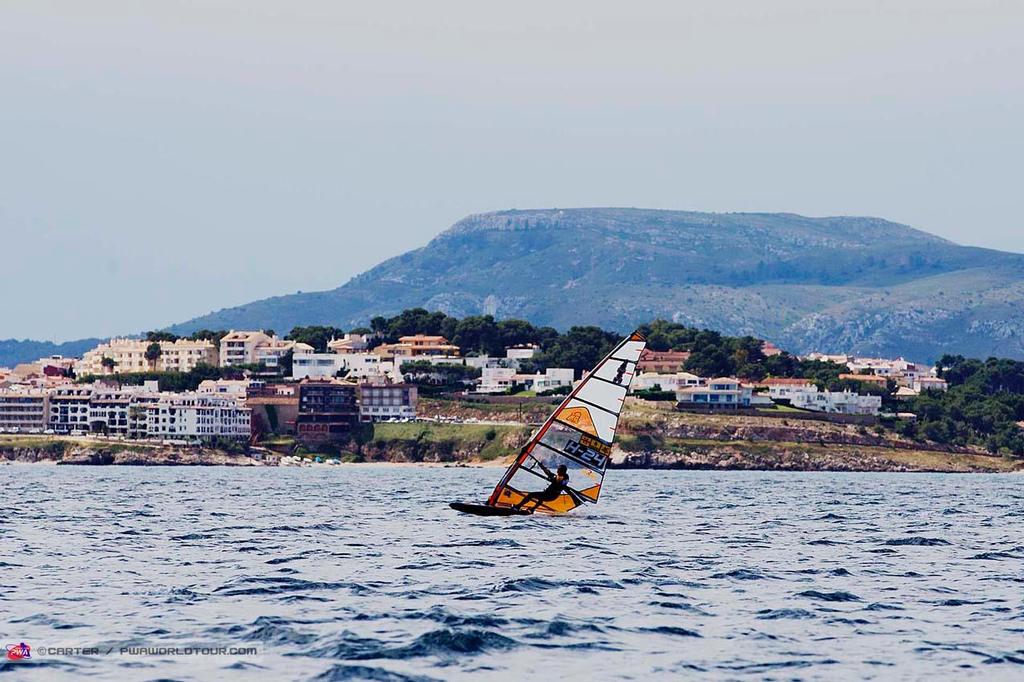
18,652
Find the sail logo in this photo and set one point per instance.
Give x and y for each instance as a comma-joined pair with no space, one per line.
586,455
19,652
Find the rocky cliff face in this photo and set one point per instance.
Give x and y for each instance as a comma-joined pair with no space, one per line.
833,284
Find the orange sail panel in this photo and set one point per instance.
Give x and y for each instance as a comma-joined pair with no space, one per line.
578,435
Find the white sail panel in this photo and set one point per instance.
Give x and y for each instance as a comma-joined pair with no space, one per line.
602,395
615,372
630,351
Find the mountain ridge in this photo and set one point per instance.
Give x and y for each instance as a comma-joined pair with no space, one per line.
835,284
838,283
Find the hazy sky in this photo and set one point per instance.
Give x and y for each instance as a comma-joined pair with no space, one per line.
159,160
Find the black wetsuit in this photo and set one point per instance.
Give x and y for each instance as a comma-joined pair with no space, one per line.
549,494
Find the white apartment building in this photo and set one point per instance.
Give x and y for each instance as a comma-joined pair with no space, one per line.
110,410
23,410
69,408
357,365
319,365
667,382
129,355
378,402
197,416
239,348
254,348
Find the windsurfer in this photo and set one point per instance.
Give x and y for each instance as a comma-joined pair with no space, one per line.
559,482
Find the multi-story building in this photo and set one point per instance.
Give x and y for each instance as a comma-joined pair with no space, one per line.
929,383
382,401
724,392
662,362
666,382
549,379
837,402
69,408
239,348
23,410
501,379
785,388
129,355
496,380
110,410
328,409
254,348
416,346
269,354
319,365
196,416
355,365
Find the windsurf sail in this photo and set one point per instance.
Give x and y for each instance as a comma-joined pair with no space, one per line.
578,434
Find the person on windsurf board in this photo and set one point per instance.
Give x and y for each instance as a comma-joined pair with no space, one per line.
577,436
559,484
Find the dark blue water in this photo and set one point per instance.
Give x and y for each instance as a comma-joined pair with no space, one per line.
364,573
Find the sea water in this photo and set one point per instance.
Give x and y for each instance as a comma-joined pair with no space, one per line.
363,572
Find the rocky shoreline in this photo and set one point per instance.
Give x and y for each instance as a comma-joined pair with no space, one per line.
126,456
